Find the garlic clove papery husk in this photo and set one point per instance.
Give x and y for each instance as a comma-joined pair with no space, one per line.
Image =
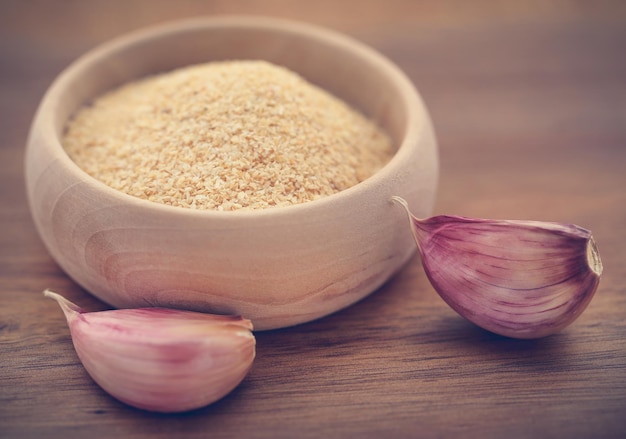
159,359
521,279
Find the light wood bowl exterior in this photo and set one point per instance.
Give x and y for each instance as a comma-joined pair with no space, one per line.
277,267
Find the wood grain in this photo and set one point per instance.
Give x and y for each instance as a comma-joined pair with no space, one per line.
529,104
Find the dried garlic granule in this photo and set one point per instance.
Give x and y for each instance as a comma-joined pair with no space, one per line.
225,136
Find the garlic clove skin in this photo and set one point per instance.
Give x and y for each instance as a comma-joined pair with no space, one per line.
159,359
520,279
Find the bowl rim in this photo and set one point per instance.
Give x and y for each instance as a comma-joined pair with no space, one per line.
413,108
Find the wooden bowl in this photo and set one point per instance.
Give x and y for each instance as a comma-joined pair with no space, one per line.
278,266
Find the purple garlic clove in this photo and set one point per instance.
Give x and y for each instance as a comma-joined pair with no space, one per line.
521,279
160,359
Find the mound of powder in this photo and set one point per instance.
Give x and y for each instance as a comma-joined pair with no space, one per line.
225,136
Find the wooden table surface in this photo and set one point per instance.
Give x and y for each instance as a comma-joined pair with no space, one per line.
529,104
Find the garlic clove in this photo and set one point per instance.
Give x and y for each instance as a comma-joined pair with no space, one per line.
160,359
521,279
